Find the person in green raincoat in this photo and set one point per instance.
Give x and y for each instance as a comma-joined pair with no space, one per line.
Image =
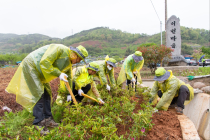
203,61
83,82
131,69
173,92
106,68
30,83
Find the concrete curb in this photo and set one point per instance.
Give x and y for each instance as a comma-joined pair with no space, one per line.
198,112
189,131
182,68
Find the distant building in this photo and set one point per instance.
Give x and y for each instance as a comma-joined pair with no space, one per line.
188,57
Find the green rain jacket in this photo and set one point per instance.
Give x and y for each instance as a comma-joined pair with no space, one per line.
170,89
127,69
37,70
81,78
103,71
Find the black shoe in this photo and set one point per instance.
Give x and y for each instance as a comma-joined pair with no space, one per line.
172,106
179,110
43,131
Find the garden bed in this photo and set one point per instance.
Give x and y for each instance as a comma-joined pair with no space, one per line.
166,124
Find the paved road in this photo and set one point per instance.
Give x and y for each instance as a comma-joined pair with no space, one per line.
148,83
205,66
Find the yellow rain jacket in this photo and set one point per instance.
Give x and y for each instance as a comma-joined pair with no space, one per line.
81,78
127,69
103,71
37,70
170,89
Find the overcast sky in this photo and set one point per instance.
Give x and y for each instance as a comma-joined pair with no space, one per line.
61,18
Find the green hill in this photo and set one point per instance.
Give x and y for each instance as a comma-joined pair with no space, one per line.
13,42
102,41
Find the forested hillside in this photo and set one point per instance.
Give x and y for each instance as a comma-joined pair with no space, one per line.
13,42
102,40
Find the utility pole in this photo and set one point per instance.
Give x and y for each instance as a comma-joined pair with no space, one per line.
165,18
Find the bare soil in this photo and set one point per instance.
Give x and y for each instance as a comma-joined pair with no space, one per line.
9,100
166,126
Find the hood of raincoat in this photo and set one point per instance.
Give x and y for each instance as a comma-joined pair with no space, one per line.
93,66
137,56
110,61
80,51
161,74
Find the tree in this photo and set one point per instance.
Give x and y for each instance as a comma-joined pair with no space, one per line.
197,54
186,49
206,50
154,54
128,51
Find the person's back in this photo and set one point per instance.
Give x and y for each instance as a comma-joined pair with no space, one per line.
81,77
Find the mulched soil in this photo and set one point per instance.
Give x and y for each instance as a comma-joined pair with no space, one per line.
166,123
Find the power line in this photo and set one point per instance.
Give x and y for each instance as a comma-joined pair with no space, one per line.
155,10
160,22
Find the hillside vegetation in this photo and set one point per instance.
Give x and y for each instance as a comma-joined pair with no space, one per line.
102,41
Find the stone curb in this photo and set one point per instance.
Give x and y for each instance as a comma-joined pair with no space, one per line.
189,131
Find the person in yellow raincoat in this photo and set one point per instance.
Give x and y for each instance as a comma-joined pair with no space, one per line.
83,82
106,68
173,92
131,69
30,83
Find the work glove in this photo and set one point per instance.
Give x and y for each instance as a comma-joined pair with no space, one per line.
68,98
133,80
135,72
62,75
101,101
80,92
108,87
